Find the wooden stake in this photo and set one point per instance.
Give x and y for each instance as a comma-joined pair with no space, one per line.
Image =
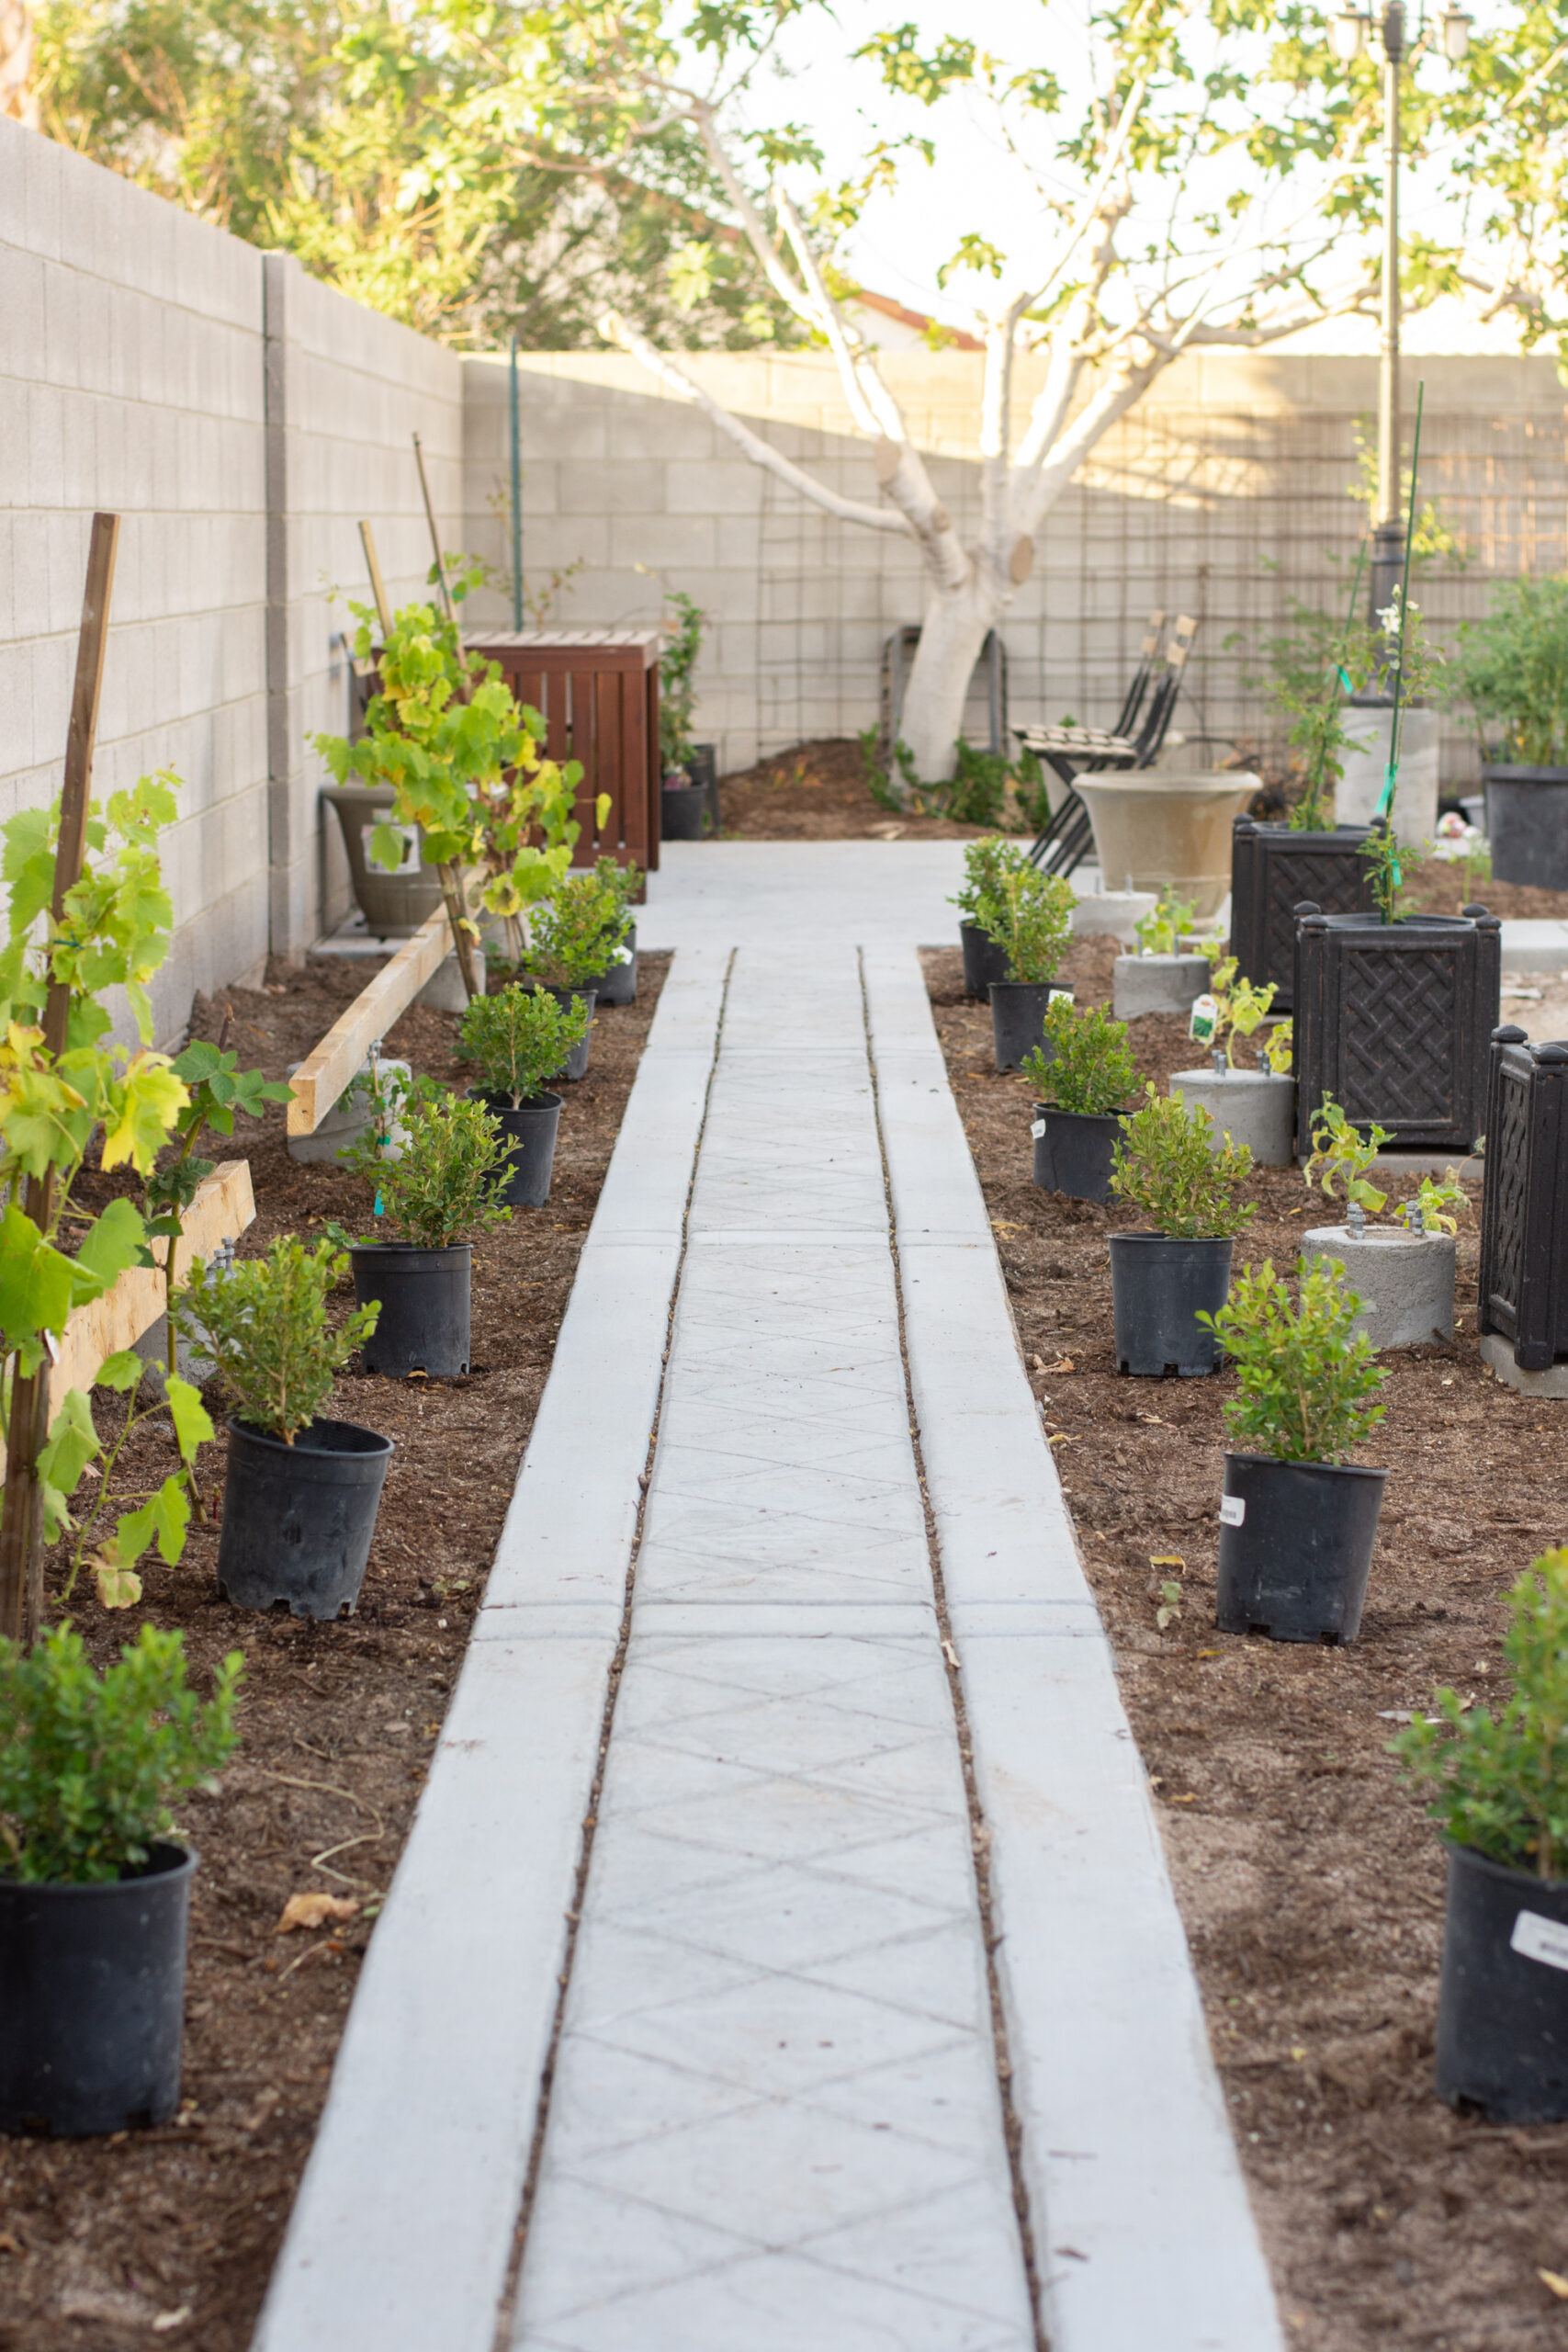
435,534
377,585
21,1515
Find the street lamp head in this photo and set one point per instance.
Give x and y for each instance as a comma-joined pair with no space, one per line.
1347,35
1453,27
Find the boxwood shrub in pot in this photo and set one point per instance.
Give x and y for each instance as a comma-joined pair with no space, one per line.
1499,1786
617,984
301,1490
516,1039
1082,1082
573,936
449,1184
1297,1520
986,862
95,1893
1029,915
1161,1282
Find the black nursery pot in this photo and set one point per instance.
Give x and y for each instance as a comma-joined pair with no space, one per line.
1157,1286
1073,1154
1018,1019
576,1063
1296,1547
617,984
424,1296
983,960
686,813
530,1131
1502,2002
298,1519
92,2000
1527,825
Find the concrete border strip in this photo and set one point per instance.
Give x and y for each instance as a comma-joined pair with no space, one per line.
403,2224
1127,2150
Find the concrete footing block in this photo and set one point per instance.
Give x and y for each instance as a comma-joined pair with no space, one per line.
349,1118
1499,1354
1404,1281
1143,984
1252,1106
1114,912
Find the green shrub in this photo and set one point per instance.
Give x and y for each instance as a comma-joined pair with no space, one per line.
456,1161
1093,1071
1030,916
1342,1155
265,1324
977,795
1513,668
573,935
1165,1166
677,682
1158,931
90,1764
984,864
520,1037
1500,1784
1306,1380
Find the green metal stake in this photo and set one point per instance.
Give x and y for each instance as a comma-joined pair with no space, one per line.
1385,800
516,495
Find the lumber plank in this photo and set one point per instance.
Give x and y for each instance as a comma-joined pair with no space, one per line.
322,1076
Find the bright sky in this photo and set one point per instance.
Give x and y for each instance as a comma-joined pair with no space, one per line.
975,185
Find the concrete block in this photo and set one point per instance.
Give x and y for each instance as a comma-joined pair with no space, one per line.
1404,1281
1251,1106
1143,984
1498,1353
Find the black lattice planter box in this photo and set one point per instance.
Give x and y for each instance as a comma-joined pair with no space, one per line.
1394,1021
1523,1289
1272,871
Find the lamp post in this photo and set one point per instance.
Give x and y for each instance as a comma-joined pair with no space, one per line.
1348,34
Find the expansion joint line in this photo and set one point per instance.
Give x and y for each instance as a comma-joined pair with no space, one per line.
979,1835
507,2310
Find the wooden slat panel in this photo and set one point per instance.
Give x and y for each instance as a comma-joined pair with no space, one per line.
321,1077
607,728
598,773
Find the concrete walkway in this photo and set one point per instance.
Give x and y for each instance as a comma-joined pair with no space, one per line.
685,2027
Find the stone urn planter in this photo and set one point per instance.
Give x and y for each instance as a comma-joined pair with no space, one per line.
1141,984
1527,825
1404,1281
1392,1020
1158,828
394,903
1254,1107
1523,1286
1272,871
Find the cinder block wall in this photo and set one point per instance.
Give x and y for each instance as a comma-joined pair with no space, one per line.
1224,493
240,418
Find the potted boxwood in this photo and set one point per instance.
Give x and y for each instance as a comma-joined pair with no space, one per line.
1029,915
516,1039
617,984
1256,1107
1167,1165
301,1492
1082,1084
1500,1793
449,1184
1297,1520
572,937
1513,668
95,1893
985,863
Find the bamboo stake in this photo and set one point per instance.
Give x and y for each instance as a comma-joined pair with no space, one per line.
21,1513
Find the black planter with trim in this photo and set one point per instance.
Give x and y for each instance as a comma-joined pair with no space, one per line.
92,2000
530,1130
1527,824
1296,1548
984,959
1073,1151
1018,1019
1157,1286
425,1296
1503,1997
1522,1290
1272,871
297,1520
1394,1020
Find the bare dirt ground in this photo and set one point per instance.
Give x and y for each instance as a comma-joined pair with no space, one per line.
1309,1880
818,792
171,2234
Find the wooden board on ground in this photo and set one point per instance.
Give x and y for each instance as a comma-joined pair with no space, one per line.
323,1077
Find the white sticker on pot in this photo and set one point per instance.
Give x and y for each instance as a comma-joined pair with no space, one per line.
1059,992
1037,1128
1232,1510
1540,1938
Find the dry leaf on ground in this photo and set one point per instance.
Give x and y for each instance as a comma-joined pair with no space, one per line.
314,1911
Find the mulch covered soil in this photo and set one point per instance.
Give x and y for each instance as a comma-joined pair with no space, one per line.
818,792
106,2245
1309,1879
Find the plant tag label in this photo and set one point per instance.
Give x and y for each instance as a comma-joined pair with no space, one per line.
1232,1510
1056,993
622,956
1201,1025
1540,1938
1037,1128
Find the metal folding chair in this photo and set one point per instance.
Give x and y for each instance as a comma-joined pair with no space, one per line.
1072,751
